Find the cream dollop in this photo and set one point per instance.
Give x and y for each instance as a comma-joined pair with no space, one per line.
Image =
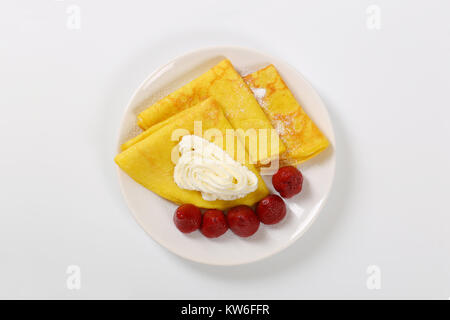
205,167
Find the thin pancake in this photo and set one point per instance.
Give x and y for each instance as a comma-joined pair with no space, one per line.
149,162
227,87
302,138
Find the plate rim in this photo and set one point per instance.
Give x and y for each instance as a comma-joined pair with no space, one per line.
273,59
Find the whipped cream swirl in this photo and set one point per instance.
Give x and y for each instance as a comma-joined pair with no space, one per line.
205,167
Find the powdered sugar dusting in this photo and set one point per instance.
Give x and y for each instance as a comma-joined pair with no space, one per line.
260,94
279,127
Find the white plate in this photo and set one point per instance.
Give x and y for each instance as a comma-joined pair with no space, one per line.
155,214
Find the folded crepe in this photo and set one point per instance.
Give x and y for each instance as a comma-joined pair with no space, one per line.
227,87
302,138
152,129
149,161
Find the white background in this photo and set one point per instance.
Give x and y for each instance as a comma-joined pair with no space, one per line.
63,91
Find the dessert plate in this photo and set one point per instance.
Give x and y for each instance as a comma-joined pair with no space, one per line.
155,214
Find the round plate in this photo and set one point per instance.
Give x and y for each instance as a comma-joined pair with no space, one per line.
155,214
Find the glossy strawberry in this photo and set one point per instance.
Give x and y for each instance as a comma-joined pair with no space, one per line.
187,218
288,181
243,221
214,223
271,209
